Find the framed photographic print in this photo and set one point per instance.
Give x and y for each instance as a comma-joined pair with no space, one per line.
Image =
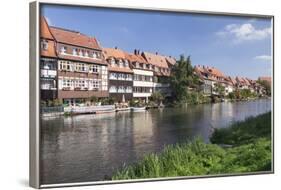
134,94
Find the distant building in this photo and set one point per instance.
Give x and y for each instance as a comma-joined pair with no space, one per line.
210,77
120,74
267,79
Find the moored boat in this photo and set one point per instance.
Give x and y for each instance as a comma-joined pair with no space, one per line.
138,109
105,111
123,109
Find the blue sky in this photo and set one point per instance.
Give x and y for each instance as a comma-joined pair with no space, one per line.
238,46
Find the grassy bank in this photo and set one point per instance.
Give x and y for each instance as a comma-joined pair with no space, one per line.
250,151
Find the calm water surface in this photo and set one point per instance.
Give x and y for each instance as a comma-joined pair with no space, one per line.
90,147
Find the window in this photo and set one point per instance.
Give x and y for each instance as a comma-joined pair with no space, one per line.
98,55
121,63
113,76
80,53
86,53
112,89
129,89
94,69
121,76
44,44
144,66
94,55
63,49
74,51
126,63
129,77
67,83
121,89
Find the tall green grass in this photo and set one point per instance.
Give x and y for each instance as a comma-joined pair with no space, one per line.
252,152
244,131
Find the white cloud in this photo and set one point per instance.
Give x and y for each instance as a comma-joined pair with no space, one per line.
244,32
263,57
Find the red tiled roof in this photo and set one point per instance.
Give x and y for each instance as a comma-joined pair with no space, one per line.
113,52
155,59
215,71
74,38
119,69
45,30
234,82
46,34
136,58
268,79
171,60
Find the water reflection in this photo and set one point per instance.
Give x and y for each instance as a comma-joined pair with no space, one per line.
90,147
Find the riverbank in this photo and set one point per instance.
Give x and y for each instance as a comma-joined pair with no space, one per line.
243,147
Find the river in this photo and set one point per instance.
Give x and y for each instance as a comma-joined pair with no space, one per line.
90,147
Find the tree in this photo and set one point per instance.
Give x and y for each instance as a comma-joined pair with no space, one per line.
182,76
266,85
157,97
219,89
93,99
231,95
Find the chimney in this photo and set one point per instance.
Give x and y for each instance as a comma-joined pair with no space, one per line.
156,53
138,52
135,51
116,47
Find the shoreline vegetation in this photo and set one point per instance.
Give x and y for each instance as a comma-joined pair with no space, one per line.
244,146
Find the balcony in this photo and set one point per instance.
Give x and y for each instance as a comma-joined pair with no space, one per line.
47,87
48,73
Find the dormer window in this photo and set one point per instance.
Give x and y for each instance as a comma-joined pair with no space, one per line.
63,50
86,54
44,44
112,62
74,51
121,63
98,55
126,63
81,53
94,55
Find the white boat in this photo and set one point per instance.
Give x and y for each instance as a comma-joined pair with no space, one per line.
138,109
105,111
123,109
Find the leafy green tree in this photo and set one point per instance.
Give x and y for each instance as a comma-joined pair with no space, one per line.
182,76
157,97
266,85
219,89
93,99
231,95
